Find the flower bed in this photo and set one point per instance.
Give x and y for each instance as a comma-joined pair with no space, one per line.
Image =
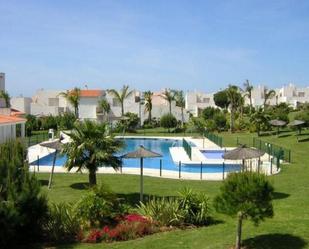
131,226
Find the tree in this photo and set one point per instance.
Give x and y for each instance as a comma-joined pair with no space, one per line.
148,104
168,121
221,99
247,195
233,97
180,102
169,96
105,107
248,92
268,94
73,97
120,96
23,207
259,118
5,95
91,147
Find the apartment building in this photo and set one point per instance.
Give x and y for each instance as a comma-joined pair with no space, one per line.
196,101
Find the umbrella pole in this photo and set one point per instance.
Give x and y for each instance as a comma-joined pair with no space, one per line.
243,165
141,182
52,171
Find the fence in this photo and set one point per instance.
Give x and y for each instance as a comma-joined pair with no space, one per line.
214,138
187,148
272,149
36,139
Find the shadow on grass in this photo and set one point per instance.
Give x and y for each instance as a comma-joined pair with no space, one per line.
284,135
80,185
303,140
43,182
275,240
134,198
280,195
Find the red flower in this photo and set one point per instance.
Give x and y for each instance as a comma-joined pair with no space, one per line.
105,230
135,218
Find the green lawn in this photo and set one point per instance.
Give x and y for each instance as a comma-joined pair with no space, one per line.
289,229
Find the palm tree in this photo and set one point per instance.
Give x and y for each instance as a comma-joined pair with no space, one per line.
268,94
121,96
180,102
5,95
105,107
169,96
259,118
248,92
233,95
91,147
148,104
73,97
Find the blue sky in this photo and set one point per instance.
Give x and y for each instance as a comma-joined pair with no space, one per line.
152,44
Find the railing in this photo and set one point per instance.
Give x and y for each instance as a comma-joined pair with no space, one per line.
272,149
214,138
187,148
36,139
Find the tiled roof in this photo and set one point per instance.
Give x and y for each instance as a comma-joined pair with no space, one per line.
4,119
91,93
15,112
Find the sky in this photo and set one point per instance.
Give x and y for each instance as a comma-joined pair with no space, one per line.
153,44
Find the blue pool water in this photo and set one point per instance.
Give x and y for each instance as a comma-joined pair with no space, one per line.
160,146
213,154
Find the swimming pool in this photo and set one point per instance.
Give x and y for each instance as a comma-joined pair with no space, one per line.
213,154
160,146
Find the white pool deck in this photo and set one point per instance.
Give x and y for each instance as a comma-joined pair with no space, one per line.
178,155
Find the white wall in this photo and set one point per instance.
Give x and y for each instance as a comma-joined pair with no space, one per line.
198,100
21,104
88,107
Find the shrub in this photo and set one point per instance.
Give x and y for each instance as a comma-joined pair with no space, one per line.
245,195
166,211
100,206
23,209
168,121
130,124
63,225
196,206
220,121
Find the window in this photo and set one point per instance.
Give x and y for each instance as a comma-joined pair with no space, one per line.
53,101
301,94
116,102
206,100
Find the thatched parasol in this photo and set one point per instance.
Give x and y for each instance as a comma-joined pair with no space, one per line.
55,145
141,153
242,153
278,123
298,124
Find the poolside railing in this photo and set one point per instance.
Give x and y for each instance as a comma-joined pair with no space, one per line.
187,147
214,138
272,149
36,139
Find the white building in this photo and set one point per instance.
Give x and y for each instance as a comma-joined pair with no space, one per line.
22,104
196,101
289,94
11,127
88,105
48,102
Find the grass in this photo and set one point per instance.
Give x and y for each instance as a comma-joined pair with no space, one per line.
288,229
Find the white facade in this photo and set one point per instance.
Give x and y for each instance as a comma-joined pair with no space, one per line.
198,100
88,105
48,102
289,94
11,130
22,104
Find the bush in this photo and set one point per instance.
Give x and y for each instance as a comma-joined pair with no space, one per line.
100,206
210,112
23,209
129,125
63,225
166,211
168,121
66,121
220,121
196,206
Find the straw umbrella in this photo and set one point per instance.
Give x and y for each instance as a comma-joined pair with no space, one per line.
243,153
141,153
297,123
278,123
55,145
